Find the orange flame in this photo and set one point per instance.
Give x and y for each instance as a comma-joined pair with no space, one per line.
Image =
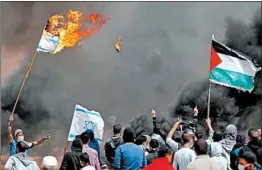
70,29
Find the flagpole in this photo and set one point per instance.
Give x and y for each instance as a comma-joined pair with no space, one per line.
208,101
23,82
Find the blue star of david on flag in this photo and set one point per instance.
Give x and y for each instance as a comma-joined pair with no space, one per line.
90,125
54,40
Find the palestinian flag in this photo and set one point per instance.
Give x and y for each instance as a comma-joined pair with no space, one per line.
230,68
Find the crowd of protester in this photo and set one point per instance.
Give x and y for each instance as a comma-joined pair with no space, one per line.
227,150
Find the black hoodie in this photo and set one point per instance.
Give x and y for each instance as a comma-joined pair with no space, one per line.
253,146
110,147
71,159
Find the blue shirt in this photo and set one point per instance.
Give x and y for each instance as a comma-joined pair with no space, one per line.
129,157
13,147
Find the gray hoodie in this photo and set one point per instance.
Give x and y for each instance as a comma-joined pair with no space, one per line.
20,162
218,162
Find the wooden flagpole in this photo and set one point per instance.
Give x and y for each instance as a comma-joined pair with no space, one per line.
208,101
23,83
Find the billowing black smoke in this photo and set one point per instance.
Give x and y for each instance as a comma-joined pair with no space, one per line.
227,105
162,45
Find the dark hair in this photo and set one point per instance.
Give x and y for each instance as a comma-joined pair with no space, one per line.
85,158
199,135
117,128
90,133
154,144
128,135
84,137
164,150
140,140
76,145
241,139
201,147
218,136
21,146
250,157
186,137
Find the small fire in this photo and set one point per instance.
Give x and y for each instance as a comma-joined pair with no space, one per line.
70,29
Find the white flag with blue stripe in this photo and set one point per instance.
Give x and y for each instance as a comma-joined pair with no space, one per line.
84,119
48,42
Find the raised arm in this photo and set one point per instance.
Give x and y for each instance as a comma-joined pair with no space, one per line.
9,130
210,131
169,141
40,141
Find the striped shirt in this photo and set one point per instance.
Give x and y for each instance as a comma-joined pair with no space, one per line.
93,156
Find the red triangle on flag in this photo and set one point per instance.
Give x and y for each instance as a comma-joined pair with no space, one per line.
214,59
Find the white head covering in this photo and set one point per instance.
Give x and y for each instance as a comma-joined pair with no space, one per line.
49,162
18,131
215,149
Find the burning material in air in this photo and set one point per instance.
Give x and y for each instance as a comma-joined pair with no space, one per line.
70,28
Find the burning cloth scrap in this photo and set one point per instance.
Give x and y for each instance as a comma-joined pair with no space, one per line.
231,68
84,119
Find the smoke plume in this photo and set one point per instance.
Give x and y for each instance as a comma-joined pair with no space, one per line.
165,47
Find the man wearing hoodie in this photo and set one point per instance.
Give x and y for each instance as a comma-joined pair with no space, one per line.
254,144
112,143
228,142
21,161
71,160
218,162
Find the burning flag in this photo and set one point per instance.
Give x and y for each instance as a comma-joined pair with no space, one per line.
118,43
230,68
61,31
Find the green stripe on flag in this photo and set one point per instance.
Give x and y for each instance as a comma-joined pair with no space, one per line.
232,79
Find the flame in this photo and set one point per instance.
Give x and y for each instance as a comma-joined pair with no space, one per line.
70,29
118,44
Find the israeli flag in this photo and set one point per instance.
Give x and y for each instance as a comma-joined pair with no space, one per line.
48,43
84,119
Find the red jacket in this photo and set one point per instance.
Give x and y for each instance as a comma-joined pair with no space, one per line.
159,164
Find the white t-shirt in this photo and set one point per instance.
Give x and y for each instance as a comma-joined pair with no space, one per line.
89,167
183,157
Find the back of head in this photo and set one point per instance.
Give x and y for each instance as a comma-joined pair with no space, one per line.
241,139
140,140
49,163
187,138
85,137
21,147
128,135
253,134
84,157
164,151
250,157
199,135
76,145
117,128
218,136
154,144
201,147
90,133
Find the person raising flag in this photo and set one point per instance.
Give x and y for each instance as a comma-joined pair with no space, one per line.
19,136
